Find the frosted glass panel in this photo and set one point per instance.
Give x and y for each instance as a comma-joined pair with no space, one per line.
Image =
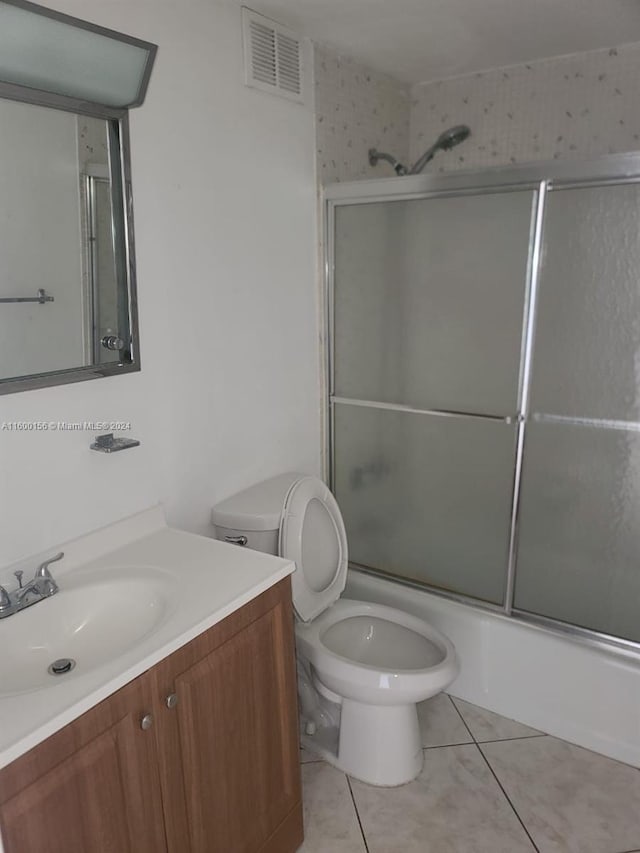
429,301
579,542
587,351
426,497
52,55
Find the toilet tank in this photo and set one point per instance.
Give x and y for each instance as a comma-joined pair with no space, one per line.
255,513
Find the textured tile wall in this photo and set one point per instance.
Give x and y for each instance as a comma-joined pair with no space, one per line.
577,106
357,109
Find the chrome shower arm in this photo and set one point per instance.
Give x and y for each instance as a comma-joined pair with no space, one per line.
375,155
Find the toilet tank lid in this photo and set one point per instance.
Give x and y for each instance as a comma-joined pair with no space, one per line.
257,508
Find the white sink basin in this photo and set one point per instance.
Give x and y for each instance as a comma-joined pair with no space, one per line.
93,619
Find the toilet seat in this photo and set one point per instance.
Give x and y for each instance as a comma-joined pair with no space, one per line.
312,534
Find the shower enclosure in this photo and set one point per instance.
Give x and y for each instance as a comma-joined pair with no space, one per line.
483,413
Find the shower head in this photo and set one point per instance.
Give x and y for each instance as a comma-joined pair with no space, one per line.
452,137
447,140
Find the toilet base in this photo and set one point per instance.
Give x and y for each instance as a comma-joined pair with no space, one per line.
377,744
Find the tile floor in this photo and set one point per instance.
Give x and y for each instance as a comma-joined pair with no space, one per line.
488,785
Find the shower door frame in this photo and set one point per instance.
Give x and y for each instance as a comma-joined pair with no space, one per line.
539,178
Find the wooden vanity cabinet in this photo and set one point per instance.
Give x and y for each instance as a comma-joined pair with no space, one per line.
230,765
92,786
217,771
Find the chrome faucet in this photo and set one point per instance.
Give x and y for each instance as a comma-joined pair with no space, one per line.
41,586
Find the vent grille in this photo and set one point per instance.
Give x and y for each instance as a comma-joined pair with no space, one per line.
273,57
263,54
288,61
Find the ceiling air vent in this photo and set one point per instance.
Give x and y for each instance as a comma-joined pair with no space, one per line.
272,57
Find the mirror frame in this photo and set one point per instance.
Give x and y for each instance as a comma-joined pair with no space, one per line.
120,172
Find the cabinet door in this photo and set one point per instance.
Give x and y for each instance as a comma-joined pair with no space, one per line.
230,743
91,788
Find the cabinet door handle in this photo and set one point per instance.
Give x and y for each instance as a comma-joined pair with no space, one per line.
146,722
171,700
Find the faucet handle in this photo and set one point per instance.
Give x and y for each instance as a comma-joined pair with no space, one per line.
43,570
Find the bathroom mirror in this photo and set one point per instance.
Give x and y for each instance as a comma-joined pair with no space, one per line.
67,283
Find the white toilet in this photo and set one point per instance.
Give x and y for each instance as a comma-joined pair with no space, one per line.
361,667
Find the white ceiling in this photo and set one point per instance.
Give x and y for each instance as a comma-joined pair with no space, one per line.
421,40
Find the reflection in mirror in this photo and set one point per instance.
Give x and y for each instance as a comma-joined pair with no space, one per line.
65,289
100,276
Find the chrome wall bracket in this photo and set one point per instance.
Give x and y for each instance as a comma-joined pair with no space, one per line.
109,444
41,298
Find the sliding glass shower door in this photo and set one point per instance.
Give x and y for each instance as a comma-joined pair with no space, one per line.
579,533
484,391
429,300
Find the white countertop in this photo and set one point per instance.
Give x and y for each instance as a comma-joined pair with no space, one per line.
215,579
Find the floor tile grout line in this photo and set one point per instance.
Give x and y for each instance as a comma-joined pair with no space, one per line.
464,722
355,806
477,745
521,737
482,742
528,737
497,740
507,797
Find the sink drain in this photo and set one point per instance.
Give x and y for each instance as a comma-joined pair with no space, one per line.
61,666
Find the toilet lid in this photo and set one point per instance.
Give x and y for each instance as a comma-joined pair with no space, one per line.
312,535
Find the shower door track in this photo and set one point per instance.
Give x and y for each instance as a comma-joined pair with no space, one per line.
541,178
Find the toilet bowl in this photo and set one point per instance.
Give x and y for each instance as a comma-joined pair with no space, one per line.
362,667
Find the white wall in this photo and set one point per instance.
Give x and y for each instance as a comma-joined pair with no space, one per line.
224,199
